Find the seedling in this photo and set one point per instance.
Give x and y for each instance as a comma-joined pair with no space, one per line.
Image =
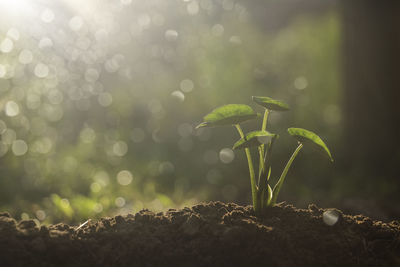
263,195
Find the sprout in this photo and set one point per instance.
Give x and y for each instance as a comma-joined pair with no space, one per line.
234,114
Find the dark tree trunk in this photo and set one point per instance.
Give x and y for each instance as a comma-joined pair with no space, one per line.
371,48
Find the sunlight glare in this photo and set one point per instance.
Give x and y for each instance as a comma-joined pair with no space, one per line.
16,6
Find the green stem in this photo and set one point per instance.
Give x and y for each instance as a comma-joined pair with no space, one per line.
262,147
263,185
261,166
260,191
278,185
265,120
251,170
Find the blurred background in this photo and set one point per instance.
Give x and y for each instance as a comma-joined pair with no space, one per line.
99,100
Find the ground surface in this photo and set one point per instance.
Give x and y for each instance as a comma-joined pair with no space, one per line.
212,234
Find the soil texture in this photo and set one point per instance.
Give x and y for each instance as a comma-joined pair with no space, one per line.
208,234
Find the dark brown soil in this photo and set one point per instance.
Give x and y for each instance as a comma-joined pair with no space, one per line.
212,234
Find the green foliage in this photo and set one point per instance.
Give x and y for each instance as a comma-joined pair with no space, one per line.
271,104
262,193
307,137
228,115
255,138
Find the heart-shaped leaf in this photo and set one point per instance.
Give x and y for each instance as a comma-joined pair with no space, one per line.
270,103
254,138
228,115
304,136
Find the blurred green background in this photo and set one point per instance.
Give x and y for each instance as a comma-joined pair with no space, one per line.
99,101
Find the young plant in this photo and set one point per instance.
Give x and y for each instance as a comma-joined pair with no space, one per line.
263,195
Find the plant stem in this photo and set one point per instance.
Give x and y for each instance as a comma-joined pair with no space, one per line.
278,185
264,127
263,185
261,167
265,120
251,170
260,191
262,147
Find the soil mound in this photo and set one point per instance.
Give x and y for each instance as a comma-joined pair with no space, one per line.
209,234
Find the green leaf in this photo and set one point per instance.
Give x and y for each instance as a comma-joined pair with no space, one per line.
270,103
254,138
304,136
228,115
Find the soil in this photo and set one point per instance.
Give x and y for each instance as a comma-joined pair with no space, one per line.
208,234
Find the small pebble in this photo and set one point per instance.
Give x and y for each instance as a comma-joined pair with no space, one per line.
330,217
